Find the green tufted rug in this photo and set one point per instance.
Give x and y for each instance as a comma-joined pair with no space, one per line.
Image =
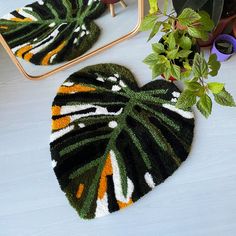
112,142
52,31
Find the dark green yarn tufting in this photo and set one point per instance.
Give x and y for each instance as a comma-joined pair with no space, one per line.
112,141
49,32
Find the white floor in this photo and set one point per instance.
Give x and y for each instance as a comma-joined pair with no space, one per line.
198,200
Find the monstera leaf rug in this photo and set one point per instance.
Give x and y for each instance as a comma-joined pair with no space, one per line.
52,31
112,142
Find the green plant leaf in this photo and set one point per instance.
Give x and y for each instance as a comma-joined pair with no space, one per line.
193,86
171,41
194,79
166,27
53,31
188,16
214,9
224,98
187,70
158,48
172,54
167,73
215,87
155,30
161,59
151,59
207,23
201,28
201,91
200,67
154,59
158,70
187,66
110,138
153,6
186,100
214,65
175,71
148,22
204,105
185,43
198,33
185,74
184,53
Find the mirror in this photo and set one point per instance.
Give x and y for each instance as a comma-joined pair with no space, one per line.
47,36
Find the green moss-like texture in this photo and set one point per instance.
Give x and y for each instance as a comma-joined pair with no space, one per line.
49,32
112,142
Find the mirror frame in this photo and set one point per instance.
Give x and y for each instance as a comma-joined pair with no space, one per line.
78,59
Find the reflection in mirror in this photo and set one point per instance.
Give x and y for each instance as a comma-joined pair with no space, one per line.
45,35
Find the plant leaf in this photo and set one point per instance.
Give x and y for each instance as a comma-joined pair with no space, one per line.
198,33
224,98
214,9
158,48
186,100
113,142
201,91
151,59
184,53
153,6
154,59
148,22
44,34
158,70
188,16
185,43
167,73
207,23
175,71
200,68
155,30
172,54
204,105
214,65
215,87
193,86
171,41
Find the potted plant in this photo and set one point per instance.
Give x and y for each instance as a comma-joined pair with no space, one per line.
171,56
224,47
221,12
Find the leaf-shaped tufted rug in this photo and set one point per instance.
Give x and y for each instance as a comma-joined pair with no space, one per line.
112,142
52,31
